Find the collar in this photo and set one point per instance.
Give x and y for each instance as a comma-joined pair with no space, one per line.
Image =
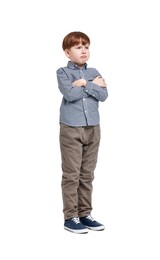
74,66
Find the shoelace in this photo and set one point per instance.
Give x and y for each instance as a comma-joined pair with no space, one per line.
76,220
90,218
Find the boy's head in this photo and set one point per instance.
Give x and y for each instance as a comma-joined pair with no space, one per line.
75,38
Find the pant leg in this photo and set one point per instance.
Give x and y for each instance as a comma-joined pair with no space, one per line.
91,140
71,154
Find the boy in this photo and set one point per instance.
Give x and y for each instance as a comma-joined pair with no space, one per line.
82,89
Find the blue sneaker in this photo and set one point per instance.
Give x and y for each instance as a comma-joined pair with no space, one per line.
74,225
92,224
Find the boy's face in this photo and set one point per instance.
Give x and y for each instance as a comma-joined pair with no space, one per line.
78,54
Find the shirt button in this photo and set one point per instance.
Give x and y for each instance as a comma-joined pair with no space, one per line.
83,99
85,111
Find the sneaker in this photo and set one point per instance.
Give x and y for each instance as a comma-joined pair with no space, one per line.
92,224
74,225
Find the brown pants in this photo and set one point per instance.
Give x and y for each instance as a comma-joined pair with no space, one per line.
79,150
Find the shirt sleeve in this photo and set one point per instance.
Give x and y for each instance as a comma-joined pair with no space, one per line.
92,89
69,92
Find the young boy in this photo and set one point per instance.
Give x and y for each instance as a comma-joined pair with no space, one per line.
82,89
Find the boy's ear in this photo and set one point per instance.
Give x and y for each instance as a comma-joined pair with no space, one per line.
67,53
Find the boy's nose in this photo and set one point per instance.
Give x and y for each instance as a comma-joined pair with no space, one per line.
83,50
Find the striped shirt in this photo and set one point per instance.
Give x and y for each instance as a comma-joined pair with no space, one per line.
79,105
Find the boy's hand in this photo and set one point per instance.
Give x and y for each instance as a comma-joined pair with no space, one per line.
79,83
100,82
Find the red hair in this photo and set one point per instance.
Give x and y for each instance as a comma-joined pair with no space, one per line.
75,38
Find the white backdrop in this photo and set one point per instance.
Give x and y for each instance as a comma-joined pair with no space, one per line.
125,44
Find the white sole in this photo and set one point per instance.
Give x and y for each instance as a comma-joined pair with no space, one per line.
96,228
77,231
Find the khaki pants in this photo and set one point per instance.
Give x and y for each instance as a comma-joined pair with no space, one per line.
79,150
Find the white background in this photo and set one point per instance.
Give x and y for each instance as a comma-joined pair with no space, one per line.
125,48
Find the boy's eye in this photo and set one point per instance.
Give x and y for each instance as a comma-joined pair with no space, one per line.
80,47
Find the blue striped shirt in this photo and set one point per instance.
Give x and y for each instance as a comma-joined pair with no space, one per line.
79,105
